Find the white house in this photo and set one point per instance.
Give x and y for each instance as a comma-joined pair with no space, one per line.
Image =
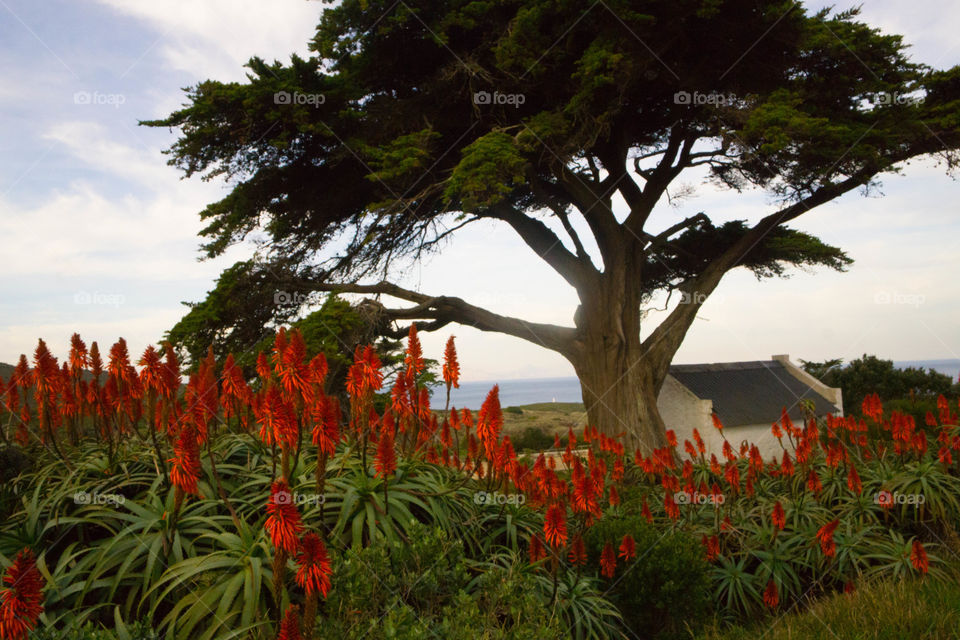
748,398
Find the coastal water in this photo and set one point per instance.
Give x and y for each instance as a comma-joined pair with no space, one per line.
531,390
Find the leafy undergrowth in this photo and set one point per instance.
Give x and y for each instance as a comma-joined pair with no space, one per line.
885,610
243,508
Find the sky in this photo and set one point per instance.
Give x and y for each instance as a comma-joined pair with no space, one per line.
98,235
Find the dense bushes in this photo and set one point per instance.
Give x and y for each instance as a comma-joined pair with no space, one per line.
533,439
665,591
428,588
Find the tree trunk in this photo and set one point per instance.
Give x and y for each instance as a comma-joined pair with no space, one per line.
621,397
619,377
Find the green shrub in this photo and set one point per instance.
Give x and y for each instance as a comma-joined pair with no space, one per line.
428,588
663,591
533,439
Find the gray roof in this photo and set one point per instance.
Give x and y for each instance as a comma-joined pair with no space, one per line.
750,392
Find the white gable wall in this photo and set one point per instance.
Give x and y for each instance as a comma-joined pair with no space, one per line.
683,412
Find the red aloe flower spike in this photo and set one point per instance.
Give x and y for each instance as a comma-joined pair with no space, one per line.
151,376
263,367
279,346
315,568
853,480
825,536
386,462
185,463
490,420
813,482
716,422
555,526
537,550
326,421
578,552
918,557
290,625
779,517
645,511
414,352
451,366
771,597
283,520
293,369
21,601
608,561
79,357
628,548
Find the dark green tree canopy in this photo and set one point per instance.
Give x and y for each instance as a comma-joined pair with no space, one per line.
399,152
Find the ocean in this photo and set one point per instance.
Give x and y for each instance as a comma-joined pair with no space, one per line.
530,390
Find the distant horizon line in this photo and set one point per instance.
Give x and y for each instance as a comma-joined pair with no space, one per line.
573,377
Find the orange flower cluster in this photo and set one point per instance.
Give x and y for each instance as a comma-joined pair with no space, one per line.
314,571
290,625
21,600
555,526
386,463
825,537
771,596
185,464
608,561
778,517
918,557
451,368
283,520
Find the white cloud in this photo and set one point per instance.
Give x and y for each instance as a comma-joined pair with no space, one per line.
214,38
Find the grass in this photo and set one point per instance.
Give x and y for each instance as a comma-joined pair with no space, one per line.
881,611
533,426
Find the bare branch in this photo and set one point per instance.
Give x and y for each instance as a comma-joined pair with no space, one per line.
446,309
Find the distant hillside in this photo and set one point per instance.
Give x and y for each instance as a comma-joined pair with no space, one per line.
7,369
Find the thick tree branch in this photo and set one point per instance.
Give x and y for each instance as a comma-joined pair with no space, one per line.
675,159
545,192
663,236
546,245
596,210
445,309
664,341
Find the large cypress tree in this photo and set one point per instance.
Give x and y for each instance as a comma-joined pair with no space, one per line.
413,119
